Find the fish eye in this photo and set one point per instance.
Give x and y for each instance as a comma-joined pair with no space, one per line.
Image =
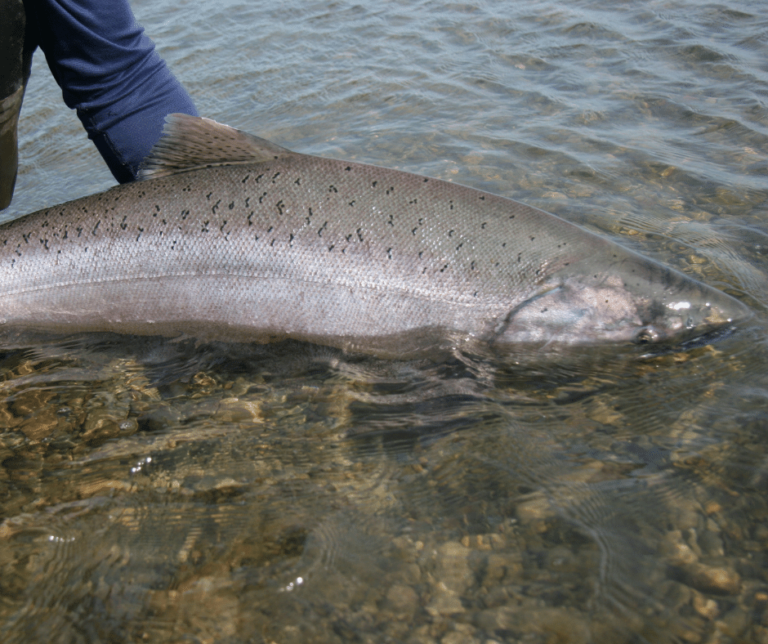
646,336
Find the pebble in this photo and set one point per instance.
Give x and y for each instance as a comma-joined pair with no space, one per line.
676,550
535,509
452,566
458,638
507,567
401,599
445,602
705,606
714,579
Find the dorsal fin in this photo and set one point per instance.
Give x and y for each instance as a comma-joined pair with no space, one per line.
193,142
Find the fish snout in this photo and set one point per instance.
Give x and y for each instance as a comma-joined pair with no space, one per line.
693,318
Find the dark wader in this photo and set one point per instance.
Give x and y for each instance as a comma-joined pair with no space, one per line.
15,63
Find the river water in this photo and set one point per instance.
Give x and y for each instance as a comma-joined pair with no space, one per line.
157,491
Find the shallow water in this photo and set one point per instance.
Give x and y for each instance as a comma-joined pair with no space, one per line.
162,491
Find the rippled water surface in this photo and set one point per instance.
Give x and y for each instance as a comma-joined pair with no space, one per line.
155,491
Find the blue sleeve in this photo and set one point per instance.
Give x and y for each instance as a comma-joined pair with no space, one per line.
109,71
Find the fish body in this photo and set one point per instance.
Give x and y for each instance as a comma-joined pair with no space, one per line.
237,238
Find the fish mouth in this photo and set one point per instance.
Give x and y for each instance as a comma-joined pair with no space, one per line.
701,339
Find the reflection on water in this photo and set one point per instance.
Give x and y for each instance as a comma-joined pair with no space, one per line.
160,491
154,490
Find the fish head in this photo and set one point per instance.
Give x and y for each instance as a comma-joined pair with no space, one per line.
625,298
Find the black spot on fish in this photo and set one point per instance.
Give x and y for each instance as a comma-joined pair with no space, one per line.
472,266
519,255
331,247
504,245
391,221
425,179
413,230
96,227
421,252
359,232
373,185
231,205
270,229
250,223
276,175
450,232
279,206
459,246
123,225
208,196
511,216
262,197
348,168
390,190
204,229
141,230
389,252
413,201
322,228
259,177
247,199
482,198
216,205
332,189
298,181
221,228
483,225
272,243
247,176
532,237
348,237
290,239
157,208
79,231
442,270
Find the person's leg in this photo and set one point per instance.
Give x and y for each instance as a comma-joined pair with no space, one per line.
109,71
15,61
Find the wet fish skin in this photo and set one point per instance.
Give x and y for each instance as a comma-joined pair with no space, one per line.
266,243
